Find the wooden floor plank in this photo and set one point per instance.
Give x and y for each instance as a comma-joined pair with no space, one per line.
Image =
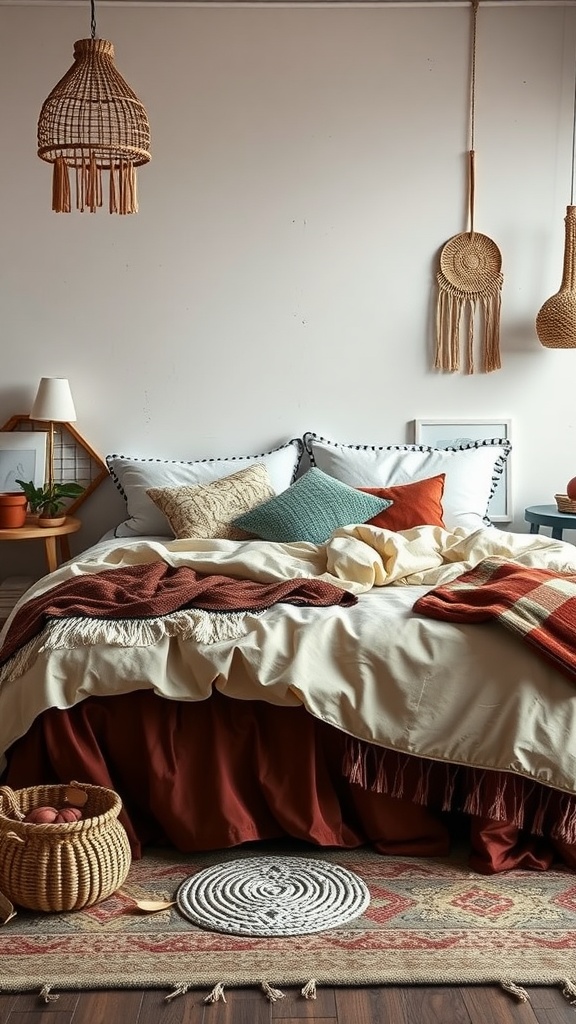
7,1000
28,1006
106,1007
551,1007
40,1015
371,1005
435,1004
489,1004
318,1020
549,997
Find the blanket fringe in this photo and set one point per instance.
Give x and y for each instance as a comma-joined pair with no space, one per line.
46,995
187,624
272,994
216,995
515,990
309,990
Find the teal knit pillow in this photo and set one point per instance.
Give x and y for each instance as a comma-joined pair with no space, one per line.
310,510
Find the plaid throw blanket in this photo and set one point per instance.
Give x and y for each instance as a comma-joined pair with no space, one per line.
147,591
536,604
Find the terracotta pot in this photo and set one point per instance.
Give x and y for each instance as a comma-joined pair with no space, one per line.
49,521
12,509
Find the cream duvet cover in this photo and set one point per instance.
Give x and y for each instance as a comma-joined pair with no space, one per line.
467,694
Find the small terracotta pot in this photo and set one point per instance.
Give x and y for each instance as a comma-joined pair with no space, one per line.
12,509
49,521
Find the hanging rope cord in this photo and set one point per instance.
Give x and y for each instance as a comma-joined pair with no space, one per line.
92,20
471,154
573,146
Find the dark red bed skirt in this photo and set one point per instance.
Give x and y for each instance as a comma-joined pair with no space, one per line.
218,773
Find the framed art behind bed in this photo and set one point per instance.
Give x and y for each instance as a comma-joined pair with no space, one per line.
457,433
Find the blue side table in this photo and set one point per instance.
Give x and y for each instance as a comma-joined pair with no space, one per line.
548,515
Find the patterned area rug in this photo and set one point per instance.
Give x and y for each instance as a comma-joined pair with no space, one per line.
429,921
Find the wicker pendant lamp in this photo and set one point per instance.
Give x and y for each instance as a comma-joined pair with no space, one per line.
92,122
556,321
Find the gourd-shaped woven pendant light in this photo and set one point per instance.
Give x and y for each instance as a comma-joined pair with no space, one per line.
556,321
92,122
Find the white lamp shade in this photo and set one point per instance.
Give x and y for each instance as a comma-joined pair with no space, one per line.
54,401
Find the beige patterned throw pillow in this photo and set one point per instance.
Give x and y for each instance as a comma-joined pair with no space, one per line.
207,511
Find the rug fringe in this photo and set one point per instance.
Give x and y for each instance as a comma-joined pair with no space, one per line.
272,994
515,990
569,991
46,995
216,995
309,990
178,990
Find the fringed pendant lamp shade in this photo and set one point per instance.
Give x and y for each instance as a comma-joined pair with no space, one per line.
556,321
92,122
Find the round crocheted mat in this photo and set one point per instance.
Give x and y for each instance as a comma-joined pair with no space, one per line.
272,896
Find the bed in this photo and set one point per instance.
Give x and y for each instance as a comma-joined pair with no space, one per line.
325,641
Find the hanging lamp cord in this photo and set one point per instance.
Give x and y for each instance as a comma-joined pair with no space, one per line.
92,20
573,146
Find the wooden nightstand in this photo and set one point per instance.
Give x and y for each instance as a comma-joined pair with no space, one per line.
55,538
548,515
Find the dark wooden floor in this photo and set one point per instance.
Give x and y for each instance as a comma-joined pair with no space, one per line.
391,1005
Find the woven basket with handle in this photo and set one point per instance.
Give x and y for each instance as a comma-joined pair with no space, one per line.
55,867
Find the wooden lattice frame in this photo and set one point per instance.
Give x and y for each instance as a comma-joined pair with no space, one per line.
74,459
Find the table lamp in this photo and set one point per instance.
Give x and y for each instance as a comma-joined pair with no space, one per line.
53,404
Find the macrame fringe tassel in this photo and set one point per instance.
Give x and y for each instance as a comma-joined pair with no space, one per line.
122,193
569,991
216,995
123,188
46,996
309,990
515,990
272,994
452,308
60,186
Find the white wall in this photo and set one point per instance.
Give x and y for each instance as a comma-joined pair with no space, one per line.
308,165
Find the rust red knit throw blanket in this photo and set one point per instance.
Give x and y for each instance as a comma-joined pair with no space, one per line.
149,591
536,604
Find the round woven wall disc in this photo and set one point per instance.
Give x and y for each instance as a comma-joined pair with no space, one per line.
471,262
272,896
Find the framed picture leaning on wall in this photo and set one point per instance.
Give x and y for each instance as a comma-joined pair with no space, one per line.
22,457
456,433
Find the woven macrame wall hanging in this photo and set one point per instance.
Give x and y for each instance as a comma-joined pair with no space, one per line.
470,276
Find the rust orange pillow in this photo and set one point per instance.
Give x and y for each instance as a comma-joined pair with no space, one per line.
415,504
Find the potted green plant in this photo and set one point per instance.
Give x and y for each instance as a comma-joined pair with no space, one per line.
49,502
